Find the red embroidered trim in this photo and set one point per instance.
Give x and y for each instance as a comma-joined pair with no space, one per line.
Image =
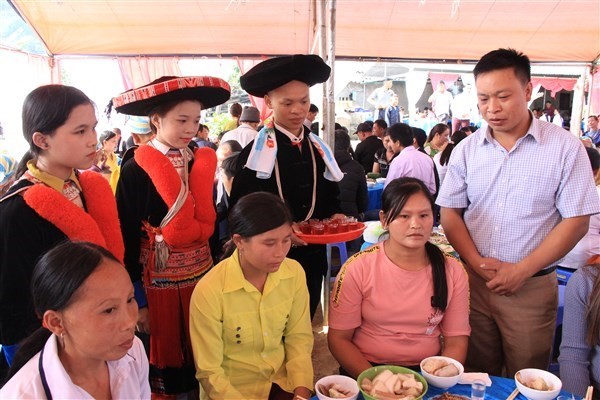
196,218
99,225
146,92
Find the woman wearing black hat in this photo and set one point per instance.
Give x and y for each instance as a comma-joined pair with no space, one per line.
165,203
286,159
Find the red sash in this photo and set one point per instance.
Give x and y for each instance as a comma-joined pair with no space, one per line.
99,225
196,218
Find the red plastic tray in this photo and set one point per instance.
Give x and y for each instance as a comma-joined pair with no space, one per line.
332,237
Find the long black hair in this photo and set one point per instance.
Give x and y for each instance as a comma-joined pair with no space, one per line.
457,137
393,200
254,214
56,278
44,110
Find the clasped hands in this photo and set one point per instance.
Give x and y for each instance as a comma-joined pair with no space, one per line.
502,278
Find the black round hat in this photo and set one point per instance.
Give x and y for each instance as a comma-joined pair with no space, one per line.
278,71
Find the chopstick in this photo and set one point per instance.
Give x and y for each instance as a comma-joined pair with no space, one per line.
589,393
513,395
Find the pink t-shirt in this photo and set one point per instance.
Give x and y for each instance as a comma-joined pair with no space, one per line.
390,308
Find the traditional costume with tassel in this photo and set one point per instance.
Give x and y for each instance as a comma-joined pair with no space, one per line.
165,200
38,212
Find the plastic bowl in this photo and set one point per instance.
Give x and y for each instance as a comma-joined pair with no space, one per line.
374,371
532,394
440,381
344,381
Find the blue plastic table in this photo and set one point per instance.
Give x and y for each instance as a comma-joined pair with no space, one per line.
375,193
501,388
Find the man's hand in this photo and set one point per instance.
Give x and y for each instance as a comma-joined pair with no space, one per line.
509,277
143,324
488,273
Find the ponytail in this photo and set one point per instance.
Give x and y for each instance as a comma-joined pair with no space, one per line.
30,347
437,259
457,137
228,249
22,167
445,156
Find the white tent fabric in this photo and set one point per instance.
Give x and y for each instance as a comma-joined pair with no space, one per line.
545,30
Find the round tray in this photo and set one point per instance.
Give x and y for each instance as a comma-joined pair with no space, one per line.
332,237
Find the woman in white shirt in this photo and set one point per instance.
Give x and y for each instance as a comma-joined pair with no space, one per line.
86,347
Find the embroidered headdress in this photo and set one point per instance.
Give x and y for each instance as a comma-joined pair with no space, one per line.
208,90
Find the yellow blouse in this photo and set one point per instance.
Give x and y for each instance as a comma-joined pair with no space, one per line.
238,333
112,162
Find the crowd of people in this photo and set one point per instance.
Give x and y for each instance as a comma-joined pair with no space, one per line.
174,270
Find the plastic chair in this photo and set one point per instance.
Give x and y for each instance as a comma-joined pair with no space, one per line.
343,253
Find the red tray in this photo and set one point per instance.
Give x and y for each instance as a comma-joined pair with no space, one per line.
332,237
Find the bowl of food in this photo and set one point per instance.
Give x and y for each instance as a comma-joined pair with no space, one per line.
380,180
537,384
387,381
371,184
441,372
336,387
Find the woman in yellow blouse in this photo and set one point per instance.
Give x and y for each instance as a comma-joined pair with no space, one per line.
249,316
107,162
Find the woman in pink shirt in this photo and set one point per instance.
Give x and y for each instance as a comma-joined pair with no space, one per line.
393,302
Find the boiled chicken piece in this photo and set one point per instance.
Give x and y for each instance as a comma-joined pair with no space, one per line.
448,370
433,364
367,385
383,376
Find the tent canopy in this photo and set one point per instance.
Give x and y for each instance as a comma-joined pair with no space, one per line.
545,30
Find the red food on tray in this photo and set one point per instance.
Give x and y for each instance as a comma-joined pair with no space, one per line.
321,233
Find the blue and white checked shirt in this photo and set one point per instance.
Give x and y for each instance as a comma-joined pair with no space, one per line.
513,199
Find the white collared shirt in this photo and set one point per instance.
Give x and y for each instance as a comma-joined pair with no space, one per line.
243,134
128,377
163,148
293,138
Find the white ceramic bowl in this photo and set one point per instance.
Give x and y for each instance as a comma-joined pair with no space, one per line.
344,381
532,394
380,180
441,381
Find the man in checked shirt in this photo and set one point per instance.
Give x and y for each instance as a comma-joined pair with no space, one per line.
516,198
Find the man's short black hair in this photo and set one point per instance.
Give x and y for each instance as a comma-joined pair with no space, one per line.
342,140
595,118
502,59
381,123
313,109
420,136
235,110
401,133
